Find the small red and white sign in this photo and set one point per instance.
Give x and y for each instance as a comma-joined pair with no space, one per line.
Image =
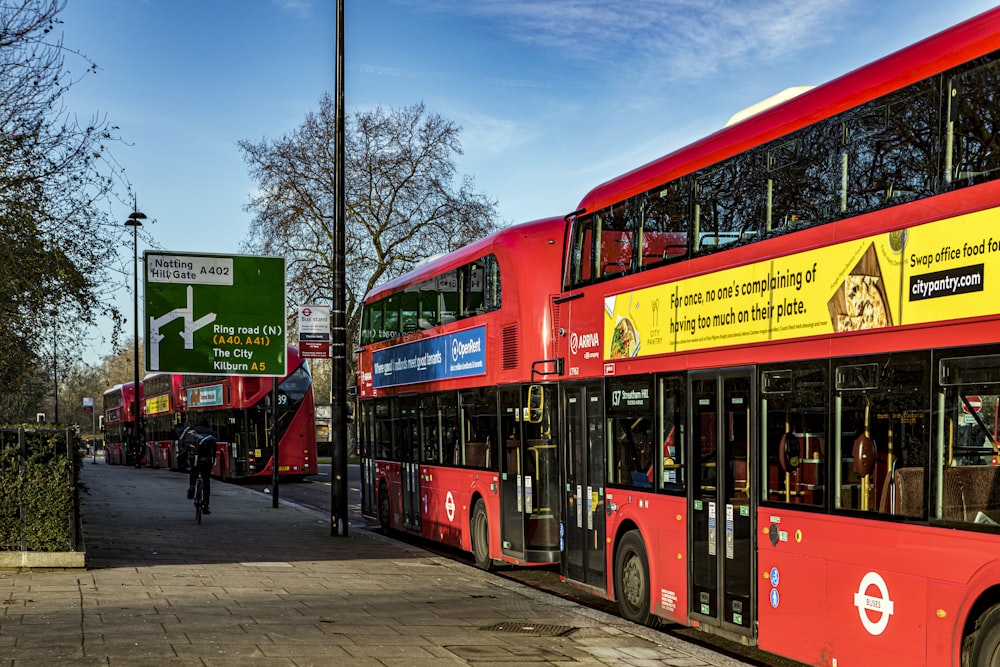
974,402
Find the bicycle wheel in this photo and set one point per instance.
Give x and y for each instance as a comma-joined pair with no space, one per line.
197,500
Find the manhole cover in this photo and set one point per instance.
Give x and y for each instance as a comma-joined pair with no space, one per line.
537,629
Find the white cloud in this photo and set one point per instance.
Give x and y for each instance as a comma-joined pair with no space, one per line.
491,135
680,38
301,7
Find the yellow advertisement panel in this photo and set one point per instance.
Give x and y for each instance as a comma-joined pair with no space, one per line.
929,273
155,406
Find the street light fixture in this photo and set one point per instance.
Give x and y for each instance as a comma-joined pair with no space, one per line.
134,221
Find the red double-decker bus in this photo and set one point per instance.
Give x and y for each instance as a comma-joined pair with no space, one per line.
789,436
772,387
162,405
242,412
456,445
119,423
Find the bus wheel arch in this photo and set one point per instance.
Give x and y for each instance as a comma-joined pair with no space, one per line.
631,578
981,636
479,534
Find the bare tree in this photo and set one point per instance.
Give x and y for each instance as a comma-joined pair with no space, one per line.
56,178
404,199
118,367
82,381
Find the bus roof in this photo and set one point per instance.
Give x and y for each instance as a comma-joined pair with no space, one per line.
977,36
506,237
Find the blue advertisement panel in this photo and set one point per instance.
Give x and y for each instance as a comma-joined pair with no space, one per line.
204,397
461,354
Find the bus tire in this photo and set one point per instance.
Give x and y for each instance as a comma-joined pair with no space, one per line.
632,579
983,645
480,533
383,507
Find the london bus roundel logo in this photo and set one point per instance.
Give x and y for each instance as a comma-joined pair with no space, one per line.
878,606
449,506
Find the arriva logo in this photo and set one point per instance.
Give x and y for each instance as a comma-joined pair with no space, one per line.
460,349
584,342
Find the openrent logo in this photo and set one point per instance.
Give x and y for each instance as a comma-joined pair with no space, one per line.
460,349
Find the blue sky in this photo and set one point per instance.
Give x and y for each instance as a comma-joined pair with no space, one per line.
554,97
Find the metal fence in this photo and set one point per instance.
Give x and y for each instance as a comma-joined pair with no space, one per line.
39,498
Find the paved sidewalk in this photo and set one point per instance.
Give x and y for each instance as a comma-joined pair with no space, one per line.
270,586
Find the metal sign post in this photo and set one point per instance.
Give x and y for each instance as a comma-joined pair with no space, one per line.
275,468
338,352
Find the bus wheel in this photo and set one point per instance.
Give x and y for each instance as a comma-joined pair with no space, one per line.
383,507
481,537
985,641
632,579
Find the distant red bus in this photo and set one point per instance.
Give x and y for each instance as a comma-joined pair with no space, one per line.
162,405
788,436
240,412
119,424
455,447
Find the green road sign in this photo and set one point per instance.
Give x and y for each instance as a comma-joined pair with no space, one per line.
214,314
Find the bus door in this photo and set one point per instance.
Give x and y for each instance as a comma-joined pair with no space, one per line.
408,432
512,491
721,501
252,459
585,551
529,474
366,450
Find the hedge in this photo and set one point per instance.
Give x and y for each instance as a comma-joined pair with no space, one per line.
38,490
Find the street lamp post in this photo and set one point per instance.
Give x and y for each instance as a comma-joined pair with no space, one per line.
134,221
55,361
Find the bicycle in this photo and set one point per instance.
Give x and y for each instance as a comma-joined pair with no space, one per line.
199,492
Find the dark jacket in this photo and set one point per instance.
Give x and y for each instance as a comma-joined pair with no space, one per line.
200,441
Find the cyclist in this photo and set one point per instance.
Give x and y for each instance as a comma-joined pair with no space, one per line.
199,444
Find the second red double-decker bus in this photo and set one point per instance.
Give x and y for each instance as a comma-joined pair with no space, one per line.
455,446
245,412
